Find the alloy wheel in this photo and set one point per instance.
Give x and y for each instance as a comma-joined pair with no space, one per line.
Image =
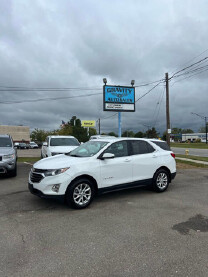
162,180
82,194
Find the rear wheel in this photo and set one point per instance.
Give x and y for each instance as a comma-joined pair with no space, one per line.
80,193
161,180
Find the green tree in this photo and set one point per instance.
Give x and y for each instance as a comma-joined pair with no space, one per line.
139,135
112,134
164,136
38,135
152,133
176,130
187,131
127,133
92,132
66,130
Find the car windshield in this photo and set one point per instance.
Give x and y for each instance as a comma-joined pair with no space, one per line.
88,149
162,144
64,142
5,142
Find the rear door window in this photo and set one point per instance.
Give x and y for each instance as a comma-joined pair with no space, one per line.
141,147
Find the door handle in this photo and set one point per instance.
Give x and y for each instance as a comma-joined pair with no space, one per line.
127,160
154,156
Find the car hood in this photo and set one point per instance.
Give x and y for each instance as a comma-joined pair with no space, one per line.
62,149
6,151
59,161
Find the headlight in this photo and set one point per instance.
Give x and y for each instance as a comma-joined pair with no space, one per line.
54,172
8,157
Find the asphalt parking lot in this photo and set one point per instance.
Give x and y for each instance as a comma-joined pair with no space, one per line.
135,232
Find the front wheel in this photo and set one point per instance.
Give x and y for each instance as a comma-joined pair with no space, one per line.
161,180
13,173
80,194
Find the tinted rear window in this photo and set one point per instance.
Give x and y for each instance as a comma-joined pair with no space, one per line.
141,147
162,144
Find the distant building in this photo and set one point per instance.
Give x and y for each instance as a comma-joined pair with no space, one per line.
194,136
18,133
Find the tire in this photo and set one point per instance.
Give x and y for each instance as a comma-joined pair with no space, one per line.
160,180
80,193
13,173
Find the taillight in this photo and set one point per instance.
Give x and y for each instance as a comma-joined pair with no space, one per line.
173,155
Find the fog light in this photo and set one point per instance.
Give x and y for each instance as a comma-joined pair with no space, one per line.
56,187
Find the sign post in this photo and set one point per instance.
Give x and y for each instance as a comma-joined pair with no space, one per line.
118,98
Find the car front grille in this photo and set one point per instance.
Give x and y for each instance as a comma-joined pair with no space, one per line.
36,177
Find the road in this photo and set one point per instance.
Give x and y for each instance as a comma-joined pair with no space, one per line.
135,232
192,151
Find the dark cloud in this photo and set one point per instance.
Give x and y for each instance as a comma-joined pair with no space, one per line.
77,43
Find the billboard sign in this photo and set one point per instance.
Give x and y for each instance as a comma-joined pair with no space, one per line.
88,123
118,98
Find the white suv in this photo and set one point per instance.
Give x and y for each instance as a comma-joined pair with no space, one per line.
100,166
55,145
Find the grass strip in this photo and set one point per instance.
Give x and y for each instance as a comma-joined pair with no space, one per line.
27,159
191,163
189,145
204,159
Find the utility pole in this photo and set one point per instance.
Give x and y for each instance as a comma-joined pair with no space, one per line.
167,110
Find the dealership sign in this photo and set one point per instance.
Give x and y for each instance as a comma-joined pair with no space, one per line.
88,123
118,98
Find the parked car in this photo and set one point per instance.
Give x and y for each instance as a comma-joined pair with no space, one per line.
16,145
55,145
22,145
33,145
102,165
101,136
8,156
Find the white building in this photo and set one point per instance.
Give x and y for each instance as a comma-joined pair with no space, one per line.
194,136
18,133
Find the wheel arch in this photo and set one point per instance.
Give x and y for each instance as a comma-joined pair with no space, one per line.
166,169
84,176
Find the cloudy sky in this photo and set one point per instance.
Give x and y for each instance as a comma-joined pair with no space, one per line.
74,44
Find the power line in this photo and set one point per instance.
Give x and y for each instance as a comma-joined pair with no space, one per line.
188,67
189,76
156,118
46,99
148,91
109,116
195,57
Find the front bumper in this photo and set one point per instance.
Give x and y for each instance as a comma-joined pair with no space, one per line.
44,185
39,193
8,165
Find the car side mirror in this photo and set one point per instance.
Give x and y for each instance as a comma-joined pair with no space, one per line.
45,144
107,156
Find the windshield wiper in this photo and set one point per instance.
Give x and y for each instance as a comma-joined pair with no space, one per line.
73,155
